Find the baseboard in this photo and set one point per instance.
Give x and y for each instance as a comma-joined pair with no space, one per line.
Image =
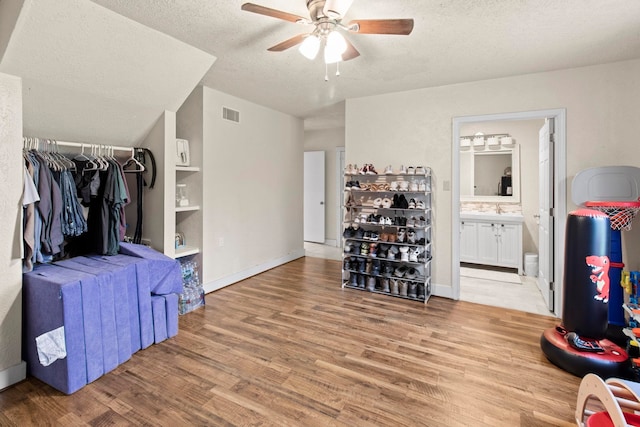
12,375
245,274
444,291
331,242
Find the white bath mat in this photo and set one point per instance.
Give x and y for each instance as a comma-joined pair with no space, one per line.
496,276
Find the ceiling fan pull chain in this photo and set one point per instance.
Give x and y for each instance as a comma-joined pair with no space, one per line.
326,72
338,69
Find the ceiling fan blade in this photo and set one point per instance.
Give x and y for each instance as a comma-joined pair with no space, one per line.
288,43
351,52
336,8
382,26
262,10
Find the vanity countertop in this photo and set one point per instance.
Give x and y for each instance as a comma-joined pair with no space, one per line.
492,216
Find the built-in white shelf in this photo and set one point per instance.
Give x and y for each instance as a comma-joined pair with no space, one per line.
187,208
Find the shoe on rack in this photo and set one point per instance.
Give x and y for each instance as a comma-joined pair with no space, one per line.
353,279
347,185
411,236
392,238
388,270
411,170
355,185
402,202
393,186
394,203
403,288
361,265
347,247
420,204
412,273
394,286
371,284
393,251
414,253
364,249
402,170
412,204
386,203
400,271
413,186
377,202
359,234
382,251
361,280
372,170
367,267
411,222
373,248
401,235
384,237
363,170
421,294
404,253
403,185
375,267
349,169
420,170
385,285
388,170
413,290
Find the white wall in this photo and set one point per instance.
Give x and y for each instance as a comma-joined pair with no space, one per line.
12,369
252,195
602,104
328,140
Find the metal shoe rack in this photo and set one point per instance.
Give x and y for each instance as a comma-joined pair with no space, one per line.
387,234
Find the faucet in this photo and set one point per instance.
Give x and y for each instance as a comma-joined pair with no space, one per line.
498,208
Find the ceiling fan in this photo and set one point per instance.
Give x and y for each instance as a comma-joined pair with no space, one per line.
326,16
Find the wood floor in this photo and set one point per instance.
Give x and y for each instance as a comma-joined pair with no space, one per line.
289,347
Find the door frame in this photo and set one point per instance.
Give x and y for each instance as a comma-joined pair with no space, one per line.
340,154
559,185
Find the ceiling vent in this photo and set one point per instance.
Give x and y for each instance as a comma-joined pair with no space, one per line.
231,115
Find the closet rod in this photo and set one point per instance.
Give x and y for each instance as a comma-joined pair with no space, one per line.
78,144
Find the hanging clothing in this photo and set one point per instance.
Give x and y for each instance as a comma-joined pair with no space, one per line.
29,197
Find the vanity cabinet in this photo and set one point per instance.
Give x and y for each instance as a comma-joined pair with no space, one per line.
491,240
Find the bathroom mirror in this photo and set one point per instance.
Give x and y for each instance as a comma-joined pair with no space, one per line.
490,175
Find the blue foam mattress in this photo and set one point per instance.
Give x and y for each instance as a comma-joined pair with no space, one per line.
166,277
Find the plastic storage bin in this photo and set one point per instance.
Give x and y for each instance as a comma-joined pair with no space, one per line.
531,264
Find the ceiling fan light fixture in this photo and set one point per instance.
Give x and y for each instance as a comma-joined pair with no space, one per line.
336,9
331,57
310,47
336,43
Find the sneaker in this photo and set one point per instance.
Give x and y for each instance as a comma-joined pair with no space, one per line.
402,170
421,294
392,253
388,270
413,186
412,204
411,274
404,253
393,238
364,249
375,267
403,186
414,253
371,284
353,280
393,186
388,170
402,202
401,235
411,222
411,170
388,221
377,202
361,265
347,247
420,170
422,186
411,236
355,185
386,203
359,234
349,169
420,205
372,170
400,271
367,268
348,232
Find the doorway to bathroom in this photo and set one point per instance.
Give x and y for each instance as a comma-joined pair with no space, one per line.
540,202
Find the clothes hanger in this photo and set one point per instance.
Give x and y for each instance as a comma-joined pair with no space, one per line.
132,161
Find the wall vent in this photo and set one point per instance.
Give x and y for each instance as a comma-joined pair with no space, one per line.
231,115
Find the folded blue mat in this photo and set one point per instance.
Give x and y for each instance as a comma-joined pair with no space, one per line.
54,297
143,291
171,307
159,309
167,275
113,289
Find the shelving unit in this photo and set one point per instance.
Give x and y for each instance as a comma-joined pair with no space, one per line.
387,242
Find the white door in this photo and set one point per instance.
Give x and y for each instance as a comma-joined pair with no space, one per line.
487,243
314,196
468,241
508,238
545,227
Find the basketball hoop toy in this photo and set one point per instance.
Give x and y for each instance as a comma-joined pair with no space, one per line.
621,216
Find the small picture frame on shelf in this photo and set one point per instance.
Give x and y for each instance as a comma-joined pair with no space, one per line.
182,152
180,240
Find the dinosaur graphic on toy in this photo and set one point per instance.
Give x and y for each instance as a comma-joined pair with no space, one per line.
600,275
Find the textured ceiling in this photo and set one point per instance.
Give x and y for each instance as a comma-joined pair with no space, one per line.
453,41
